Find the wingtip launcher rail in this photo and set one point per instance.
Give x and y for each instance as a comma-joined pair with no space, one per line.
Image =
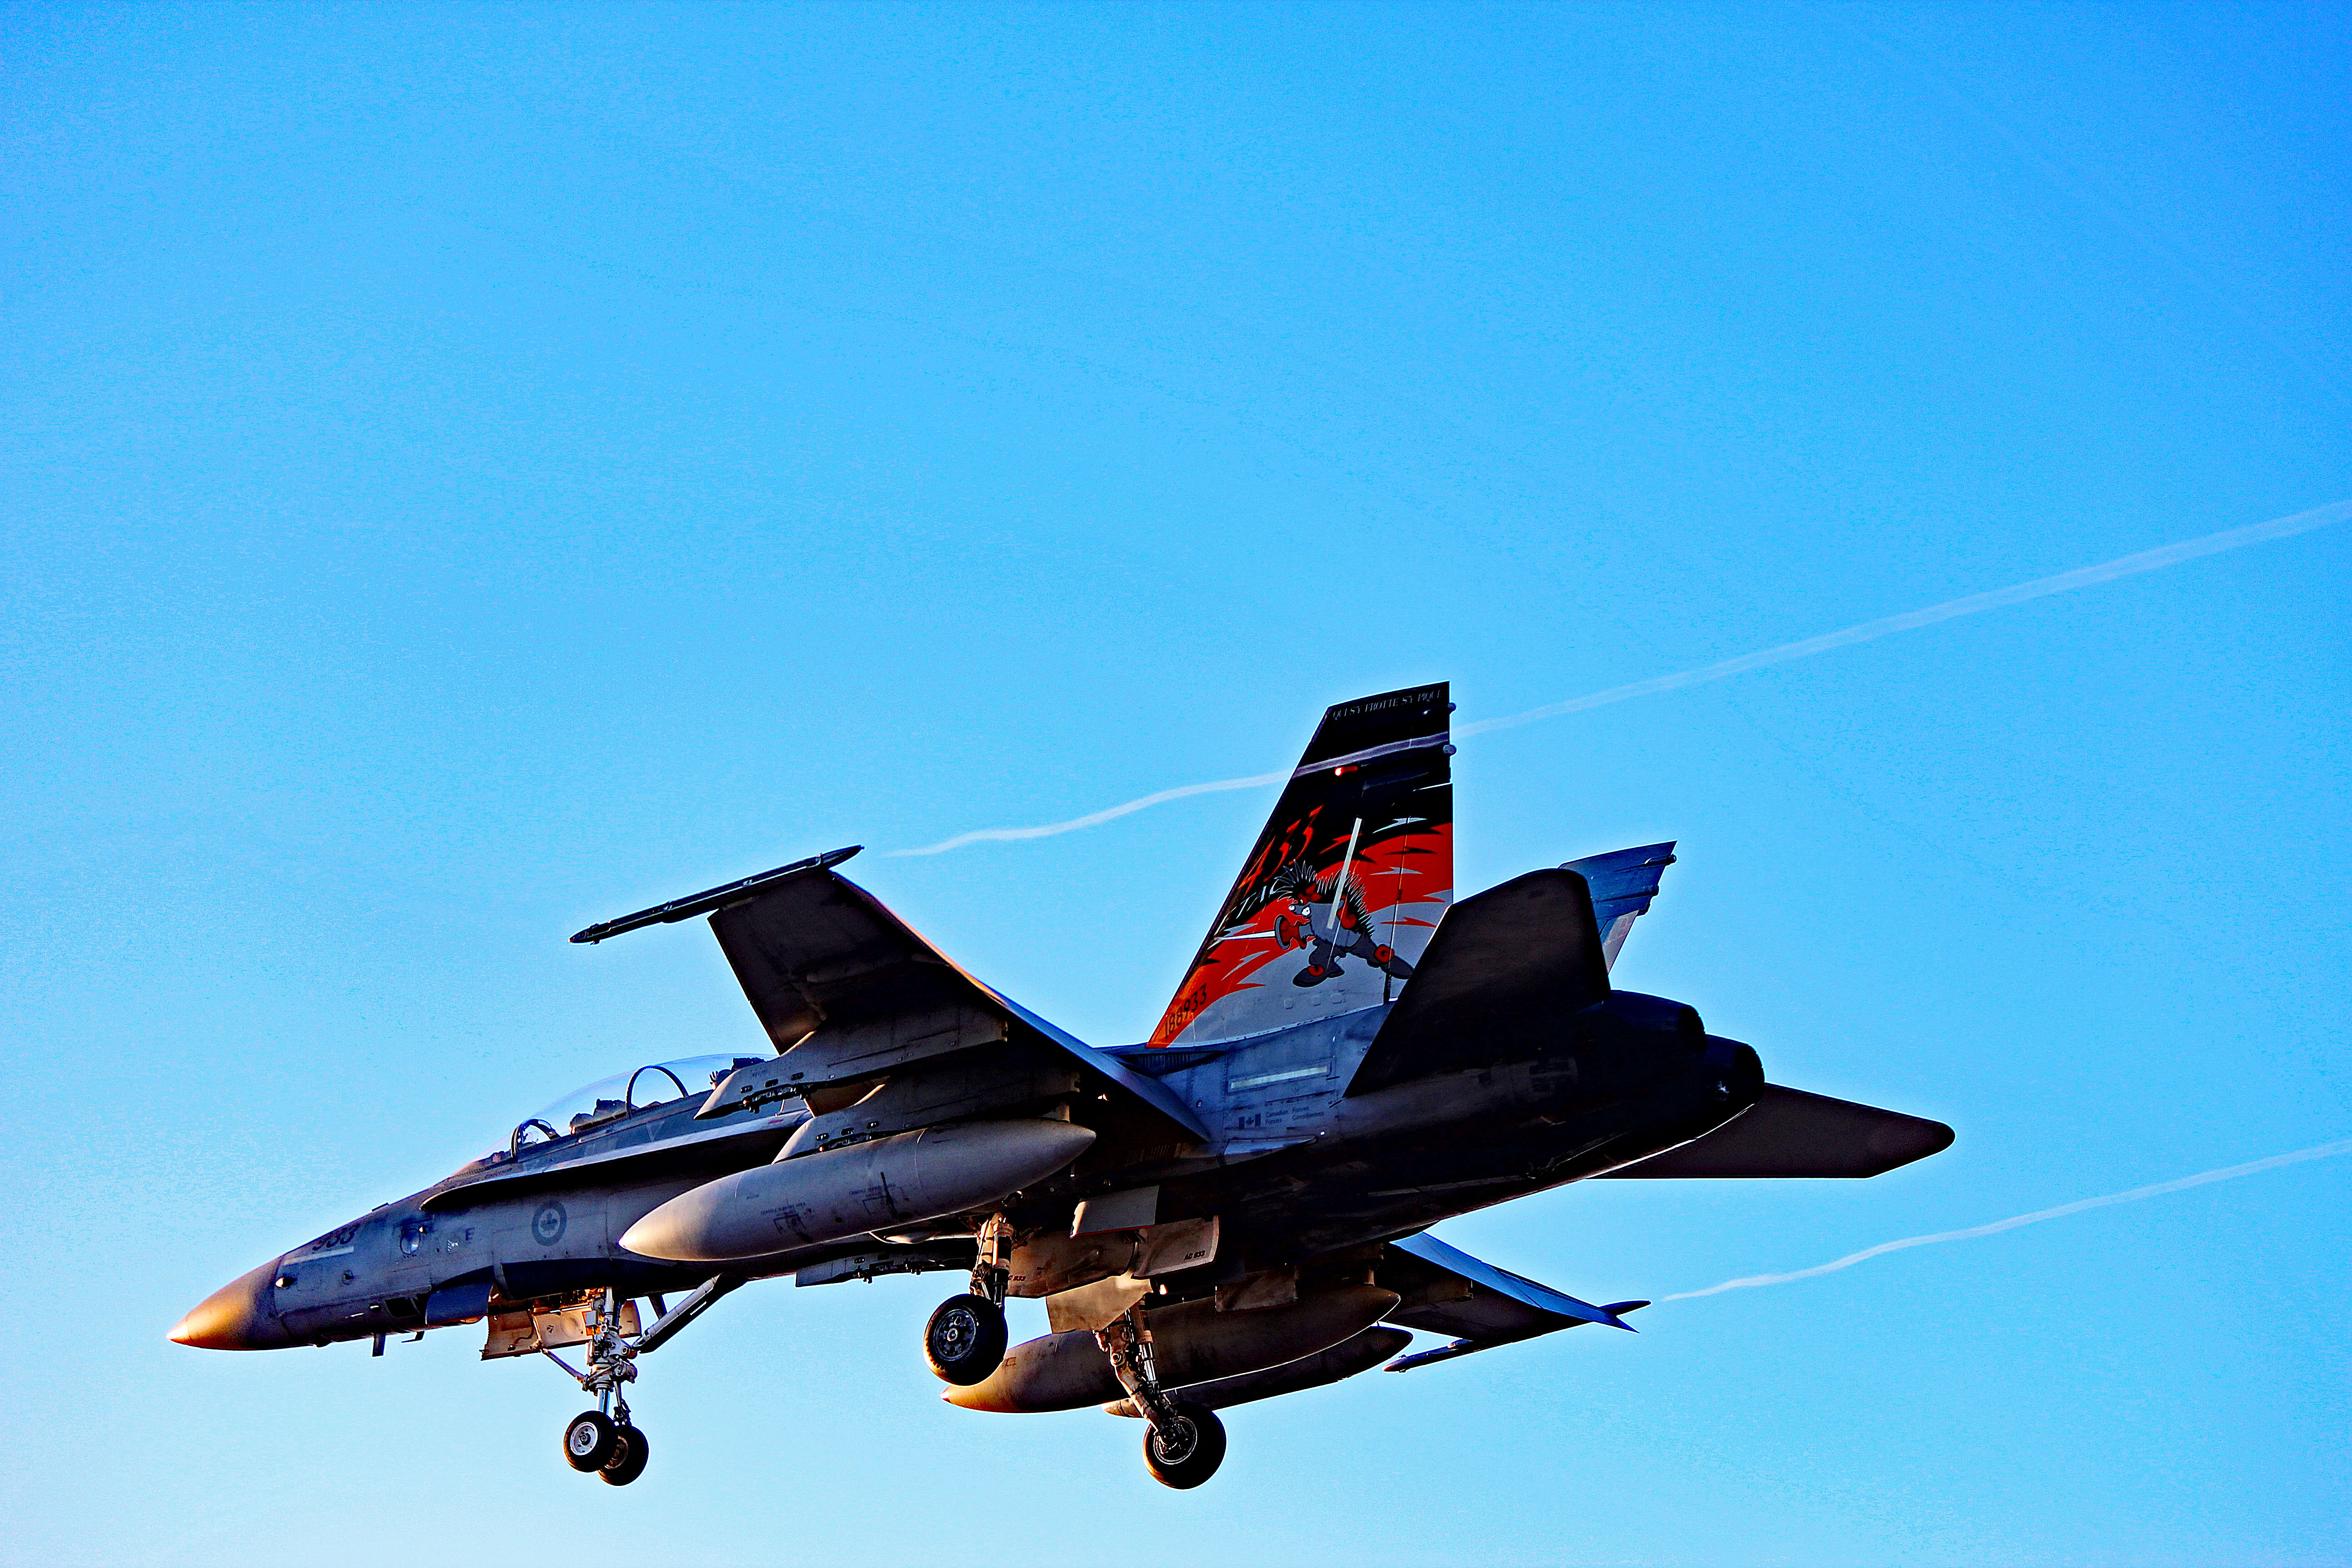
711,899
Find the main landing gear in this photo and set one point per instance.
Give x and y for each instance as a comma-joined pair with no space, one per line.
1188,1453
1186,1442
965,1339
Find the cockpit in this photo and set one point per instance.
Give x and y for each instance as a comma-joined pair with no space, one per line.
615,1098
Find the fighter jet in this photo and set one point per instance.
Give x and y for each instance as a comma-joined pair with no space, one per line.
1236,1208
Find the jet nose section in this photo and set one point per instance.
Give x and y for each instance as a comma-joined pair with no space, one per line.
235,1317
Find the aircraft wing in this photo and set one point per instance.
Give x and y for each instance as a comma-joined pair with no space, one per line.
1447,1291
1789,1132
848,992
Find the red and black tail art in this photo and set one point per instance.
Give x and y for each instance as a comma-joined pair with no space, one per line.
1343,888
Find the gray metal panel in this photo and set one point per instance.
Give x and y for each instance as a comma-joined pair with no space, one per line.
1482,1315
861,1047
1012,1079
868,1264
1150,1091
1279,1089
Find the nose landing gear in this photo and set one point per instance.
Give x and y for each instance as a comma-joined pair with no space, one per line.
604,1440
609,1447
591,1440
628,1460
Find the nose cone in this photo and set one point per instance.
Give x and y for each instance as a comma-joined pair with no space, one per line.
235,1317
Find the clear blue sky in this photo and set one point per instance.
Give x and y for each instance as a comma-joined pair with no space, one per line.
474,471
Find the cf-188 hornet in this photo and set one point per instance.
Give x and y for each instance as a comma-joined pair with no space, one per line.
1235,1208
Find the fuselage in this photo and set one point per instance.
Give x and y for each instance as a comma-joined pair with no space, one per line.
1294,1166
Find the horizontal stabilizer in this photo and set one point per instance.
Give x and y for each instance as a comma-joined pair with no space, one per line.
1789,1132
1444,1290
1470,1347
1506,965
1522,1302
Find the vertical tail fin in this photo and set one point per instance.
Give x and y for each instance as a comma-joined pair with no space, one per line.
1339,893
1623,881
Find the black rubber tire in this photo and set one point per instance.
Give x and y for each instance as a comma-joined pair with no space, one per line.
964,1341
628,1460
1198,1463
588,1439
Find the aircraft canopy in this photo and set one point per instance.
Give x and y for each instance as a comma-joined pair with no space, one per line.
610,1098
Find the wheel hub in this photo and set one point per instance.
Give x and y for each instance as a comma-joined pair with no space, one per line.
1174,1444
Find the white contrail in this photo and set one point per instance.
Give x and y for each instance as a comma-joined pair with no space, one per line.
1094,818
1868,631
2227,1172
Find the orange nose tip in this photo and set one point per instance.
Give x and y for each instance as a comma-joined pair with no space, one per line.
234,1318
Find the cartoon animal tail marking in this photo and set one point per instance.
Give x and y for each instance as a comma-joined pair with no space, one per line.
1339,893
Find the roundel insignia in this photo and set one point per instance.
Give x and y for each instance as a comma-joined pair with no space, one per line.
547,1225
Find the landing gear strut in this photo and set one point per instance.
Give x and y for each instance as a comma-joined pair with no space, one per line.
964,1342
1186,1442
604,1440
